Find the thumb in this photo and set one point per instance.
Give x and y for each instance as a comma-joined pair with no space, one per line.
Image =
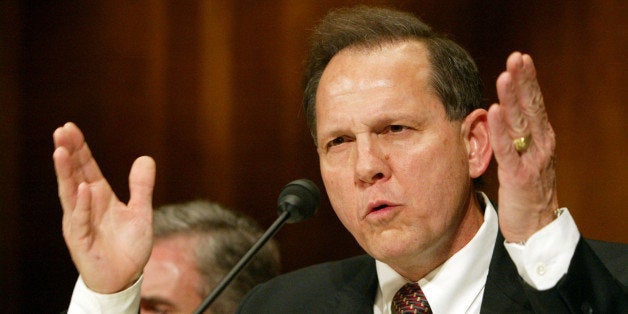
142,182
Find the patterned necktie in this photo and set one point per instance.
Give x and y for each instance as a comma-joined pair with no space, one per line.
410,299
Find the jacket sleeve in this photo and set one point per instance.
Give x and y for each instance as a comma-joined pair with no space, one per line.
588,286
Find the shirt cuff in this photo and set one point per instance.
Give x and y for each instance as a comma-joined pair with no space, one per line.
85,300
545,257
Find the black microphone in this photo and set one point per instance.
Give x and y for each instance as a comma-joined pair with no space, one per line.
300,198
297,201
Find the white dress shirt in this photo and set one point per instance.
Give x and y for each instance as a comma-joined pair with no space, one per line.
85,300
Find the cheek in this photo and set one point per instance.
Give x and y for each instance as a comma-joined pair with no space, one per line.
433,170
341,195
336,195
448,155
337,181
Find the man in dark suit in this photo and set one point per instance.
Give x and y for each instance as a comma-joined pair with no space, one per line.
397,117
396,114
350,286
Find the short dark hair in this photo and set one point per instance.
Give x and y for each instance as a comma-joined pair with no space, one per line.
221,238
454,78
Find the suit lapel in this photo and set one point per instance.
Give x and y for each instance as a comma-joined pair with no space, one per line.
357,293
503,292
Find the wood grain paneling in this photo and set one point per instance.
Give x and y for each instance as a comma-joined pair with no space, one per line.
212,90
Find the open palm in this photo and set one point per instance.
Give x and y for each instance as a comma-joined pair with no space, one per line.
527,179
109,241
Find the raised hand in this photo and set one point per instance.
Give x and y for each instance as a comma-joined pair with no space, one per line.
527,175
109,241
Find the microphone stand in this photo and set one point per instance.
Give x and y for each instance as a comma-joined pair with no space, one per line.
283,217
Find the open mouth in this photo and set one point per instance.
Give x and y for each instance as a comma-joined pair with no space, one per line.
380,207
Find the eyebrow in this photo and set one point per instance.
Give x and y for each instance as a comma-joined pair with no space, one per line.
156,300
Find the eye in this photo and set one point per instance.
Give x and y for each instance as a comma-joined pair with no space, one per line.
337,141
395,128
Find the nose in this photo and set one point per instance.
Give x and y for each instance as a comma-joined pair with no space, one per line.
370,162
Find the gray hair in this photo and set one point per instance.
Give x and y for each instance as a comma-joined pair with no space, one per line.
222,237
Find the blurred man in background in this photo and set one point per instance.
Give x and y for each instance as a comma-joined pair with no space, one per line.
196,245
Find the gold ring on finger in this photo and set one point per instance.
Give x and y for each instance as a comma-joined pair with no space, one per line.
522,143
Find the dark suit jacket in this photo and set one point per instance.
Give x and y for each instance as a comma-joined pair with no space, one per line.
592,285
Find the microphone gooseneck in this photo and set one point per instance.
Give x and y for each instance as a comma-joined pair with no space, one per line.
297,201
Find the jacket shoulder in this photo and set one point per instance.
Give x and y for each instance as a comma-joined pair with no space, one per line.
614,256
328,286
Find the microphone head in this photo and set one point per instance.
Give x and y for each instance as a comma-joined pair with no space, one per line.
300,198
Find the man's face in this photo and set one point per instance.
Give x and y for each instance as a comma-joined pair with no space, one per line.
171,281
395,168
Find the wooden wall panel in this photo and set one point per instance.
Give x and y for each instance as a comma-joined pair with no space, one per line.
212,90
581,53
9,216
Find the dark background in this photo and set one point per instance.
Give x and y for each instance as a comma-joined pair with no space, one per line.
211,90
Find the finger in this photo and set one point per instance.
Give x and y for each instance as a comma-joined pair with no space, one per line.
509,98
80,226
82,161
68,165
67,185
530,97
508,122
141,183
68,135
501,142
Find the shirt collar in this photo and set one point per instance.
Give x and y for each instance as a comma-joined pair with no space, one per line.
458,284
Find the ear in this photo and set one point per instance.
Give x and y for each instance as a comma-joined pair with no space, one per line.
475,134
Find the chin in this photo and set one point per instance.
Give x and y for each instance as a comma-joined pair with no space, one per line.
388,251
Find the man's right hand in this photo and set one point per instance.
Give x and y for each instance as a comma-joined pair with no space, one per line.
109,241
